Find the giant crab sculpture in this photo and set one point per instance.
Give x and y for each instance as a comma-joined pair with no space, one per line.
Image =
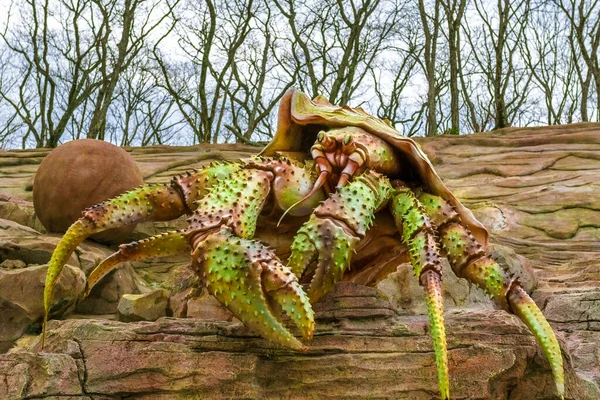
340,166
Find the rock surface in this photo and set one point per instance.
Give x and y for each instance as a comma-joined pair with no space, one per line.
21,295
143,307
362,349
538,192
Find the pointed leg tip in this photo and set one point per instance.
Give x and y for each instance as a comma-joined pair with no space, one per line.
311,331
293,343
528,311
560,388
445,394
306,331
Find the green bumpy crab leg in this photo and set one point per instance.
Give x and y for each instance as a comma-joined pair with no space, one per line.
164,244
335,228
243,274
419,235
469,261
153,202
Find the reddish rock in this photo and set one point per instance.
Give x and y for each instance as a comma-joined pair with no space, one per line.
537,190
78,175
31,376
361,350
206,307
21,294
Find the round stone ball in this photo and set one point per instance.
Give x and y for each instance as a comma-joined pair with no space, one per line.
78,175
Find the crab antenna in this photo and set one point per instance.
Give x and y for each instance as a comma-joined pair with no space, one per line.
318,184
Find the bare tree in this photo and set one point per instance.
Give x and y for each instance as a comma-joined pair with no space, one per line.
390,79
136,25
54,69
553,68
210,35
393,71
65,71
258,83
333,42
181,71
431,27
494,56
584,19
141,113
454,11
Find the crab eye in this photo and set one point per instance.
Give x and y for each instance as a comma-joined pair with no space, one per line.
321,136
347,139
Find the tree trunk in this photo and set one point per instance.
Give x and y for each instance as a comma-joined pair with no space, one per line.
98,124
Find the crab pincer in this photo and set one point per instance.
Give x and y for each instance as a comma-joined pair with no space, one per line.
248,278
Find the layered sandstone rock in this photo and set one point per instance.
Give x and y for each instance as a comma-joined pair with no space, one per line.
537,190
362,349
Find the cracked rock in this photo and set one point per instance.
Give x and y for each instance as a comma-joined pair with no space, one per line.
21,298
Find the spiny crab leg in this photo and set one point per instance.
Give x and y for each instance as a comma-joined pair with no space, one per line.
164,244
150,202
334,230
243,274
469,261
419,236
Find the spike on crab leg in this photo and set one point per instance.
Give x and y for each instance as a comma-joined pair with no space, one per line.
287,296
243,274
335,228
165,244
486,273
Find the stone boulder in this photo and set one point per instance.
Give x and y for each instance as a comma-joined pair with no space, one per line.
24,254
19,211
21,298
405,293
535,189
80,174
143,307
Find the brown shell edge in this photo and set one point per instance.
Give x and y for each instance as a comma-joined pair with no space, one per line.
297,109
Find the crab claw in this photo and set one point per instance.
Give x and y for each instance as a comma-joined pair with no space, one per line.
248,279
330,244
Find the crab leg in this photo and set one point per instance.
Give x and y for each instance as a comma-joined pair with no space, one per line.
419,236
243,274
155,202
151,202
165,244
468,260
335,228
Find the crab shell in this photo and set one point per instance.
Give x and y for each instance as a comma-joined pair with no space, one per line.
300,119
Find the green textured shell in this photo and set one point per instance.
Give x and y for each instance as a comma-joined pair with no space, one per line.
300,119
